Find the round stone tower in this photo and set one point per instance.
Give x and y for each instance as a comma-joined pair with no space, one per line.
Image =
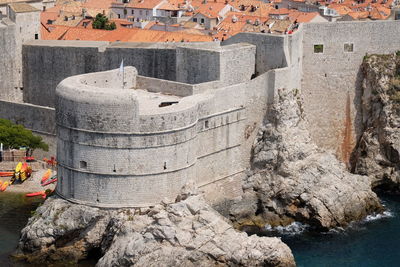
118,147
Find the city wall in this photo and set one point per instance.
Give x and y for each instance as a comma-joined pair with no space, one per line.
331,79
8,90
47,63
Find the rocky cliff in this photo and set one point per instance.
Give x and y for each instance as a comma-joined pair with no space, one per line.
292,180
185,233
377,153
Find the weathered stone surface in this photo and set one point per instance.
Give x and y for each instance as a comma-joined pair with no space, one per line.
292,179
378,150
185,233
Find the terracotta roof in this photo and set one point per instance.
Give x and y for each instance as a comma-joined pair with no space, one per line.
342,10
302,17
22,8
210,10
144,4
280,11
124,35
279,26
169,6
98,4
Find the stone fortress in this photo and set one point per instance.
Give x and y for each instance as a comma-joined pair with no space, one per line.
189,112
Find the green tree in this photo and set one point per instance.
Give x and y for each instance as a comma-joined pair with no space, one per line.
15,136
101,22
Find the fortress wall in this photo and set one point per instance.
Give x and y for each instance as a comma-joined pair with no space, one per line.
40,120
331,80
140,147
111,191
270,51
295,57
8,86
197,66
33,117
237,63
169,87
47,63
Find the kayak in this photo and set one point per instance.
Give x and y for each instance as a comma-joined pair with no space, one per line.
18,167
6,174
24,167
4,186
49,182
40,193
46,175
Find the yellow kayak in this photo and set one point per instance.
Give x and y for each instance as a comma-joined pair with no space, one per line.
46,176
4,186
19,167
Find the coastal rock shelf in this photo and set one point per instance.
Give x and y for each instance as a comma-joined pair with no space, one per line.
186,233
378,151
293,180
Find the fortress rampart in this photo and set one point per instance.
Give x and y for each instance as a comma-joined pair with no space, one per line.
226,86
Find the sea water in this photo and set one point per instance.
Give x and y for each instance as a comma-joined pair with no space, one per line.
15,210
372,242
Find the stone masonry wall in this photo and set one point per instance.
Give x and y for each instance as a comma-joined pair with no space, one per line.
331,79
8,87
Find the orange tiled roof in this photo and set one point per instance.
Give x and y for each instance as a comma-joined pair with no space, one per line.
98,4
124,35
169,6
210,10
144,4
342,10
302,17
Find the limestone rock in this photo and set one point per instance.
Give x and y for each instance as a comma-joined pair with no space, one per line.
186,233
292,180
378,150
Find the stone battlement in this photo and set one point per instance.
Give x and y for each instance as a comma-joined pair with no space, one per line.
191,112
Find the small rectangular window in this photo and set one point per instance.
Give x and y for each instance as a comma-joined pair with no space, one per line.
348,47
132,12
82,164
194,19
318,48
206,124
36,36
202,20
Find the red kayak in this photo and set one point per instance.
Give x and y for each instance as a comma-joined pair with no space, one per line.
49,182
40,193
6,174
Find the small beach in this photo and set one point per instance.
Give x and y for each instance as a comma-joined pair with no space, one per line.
32,184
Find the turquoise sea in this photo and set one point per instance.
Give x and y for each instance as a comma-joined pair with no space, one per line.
374,242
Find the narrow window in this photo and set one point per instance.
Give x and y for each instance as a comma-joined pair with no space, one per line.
82,164
36,36
318,48
202,21
114,170
206,124
165,165
348,47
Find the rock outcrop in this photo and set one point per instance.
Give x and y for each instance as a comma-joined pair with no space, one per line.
292,180
186,233
377,153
